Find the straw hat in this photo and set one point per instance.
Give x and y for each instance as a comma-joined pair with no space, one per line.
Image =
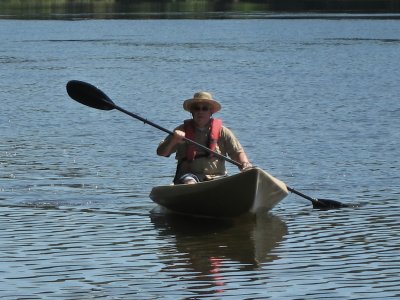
202,97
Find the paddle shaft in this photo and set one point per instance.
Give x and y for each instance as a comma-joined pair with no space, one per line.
145,121
301,194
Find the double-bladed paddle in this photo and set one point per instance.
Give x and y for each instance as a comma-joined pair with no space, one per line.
91,96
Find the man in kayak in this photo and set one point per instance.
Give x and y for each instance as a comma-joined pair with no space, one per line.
194,164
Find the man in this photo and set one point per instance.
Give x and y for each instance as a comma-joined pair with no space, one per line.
194,164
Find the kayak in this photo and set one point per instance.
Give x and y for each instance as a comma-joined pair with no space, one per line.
247,192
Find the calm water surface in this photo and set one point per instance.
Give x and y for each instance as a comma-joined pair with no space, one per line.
314,102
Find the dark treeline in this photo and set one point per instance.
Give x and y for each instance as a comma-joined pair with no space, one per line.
366,6
289,5
285,5
189,8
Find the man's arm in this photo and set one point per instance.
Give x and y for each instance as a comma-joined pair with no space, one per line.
168,146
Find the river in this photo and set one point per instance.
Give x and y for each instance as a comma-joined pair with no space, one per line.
313,101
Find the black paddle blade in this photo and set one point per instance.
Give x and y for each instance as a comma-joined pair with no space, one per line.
328,204
89,95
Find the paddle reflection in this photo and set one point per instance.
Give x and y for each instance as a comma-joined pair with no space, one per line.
208,246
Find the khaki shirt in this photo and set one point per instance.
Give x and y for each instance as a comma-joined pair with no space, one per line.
206,167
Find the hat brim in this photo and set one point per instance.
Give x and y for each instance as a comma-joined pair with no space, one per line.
215,106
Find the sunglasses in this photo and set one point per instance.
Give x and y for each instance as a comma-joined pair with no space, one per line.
201,108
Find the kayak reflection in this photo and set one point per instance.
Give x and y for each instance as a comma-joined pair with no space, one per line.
207,243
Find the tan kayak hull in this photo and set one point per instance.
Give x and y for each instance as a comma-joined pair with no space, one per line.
244,193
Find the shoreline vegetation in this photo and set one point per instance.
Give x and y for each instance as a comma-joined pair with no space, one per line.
195,9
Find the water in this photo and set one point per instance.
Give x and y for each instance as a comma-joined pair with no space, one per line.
314,102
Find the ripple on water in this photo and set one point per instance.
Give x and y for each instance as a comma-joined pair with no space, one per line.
351,252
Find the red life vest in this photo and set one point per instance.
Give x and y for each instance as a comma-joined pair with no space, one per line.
190,133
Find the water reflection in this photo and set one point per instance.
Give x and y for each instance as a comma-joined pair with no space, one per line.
211,247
